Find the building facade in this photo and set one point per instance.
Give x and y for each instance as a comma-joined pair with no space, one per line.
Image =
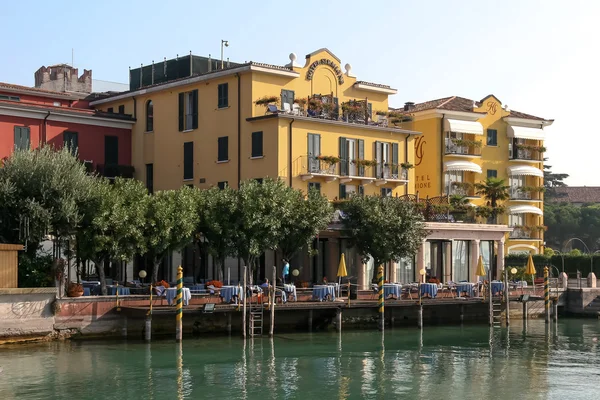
464,142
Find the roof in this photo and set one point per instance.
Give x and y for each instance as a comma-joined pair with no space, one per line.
67,110
578,194
457,103
36,91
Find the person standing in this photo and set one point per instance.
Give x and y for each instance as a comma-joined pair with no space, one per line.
286,270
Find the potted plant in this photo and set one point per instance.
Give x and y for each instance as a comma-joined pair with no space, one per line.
74,289
329,159
381,113
265,101
328,107
301,101
365,163
406,165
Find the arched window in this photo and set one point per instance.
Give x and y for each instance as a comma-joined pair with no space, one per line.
149,116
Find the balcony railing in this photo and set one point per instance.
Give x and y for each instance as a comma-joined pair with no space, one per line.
387,171
461,189
516,152
519,194
113,170
525,233
456,147
332,168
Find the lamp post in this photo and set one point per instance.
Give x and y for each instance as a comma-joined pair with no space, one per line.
142,274
587,248
224,43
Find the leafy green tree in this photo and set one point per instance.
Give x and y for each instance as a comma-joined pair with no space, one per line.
262,208
114,226
307,217
170,222
384,228
551,182
563,221
494,191
218,224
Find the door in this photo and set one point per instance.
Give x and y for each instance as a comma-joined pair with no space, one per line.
111,150
385,159
314,150
352,169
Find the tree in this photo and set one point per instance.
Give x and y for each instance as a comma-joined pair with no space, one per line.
563,221
114,224
552,181
262,208
307,217
170,222
493,190
218,224
384,228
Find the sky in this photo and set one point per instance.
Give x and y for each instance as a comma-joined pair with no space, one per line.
537,56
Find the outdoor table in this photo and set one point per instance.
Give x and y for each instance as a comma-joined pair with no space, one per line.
87,291
171,293
429,288
111,290
291,289
228,292
93,286
392,289
517,285
199,288
497,287
465,287
320,292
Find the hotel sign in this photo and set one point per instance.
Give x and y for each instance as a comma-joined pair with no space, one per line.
324,61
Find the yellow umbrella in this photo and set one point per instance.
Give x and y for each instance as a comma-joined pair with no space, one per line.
342,272
480,269
530,269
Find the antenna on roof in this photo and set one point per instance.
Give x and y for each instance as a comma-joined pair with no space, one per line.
209,63
191,65
72,57
165,67
152,72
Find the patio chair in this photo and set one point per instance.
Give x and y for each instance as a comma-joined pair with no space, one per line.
272,108
295,109
188,280
287,108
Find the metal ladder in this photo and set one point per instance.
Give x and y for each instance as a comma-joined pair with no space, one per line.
497,307
256,317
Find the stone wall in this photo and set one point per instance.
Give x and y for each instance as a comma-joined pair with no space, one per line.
26,313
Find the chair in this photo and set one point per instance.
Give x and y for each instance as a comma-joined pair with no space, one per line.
295,109
287,108
188,280
375,289
272,108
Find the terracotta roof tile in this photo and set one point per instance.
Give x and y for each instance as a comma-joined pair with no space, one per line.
42,92
69,110
518,114
372,84
578,194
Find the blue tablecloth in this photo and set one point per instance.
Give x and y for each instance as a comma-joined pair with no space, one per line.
93,287
429,288
112,290
171,293
497,287
468,288
228,292
320,292
392,289
87,291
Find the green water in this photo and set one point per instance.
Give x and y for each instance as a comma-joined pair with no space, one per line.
470,362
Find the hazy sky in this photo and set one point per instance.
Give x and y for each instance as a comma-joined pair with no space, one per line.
539,57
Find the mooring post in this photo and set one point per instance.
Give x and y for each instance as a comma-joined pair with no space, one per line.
546,297
506,296
179,305
524,310
245,288
555,309
148,331
310,320
462,313
420,309
229,323
338,319
381,298
491,302
272,326
124,328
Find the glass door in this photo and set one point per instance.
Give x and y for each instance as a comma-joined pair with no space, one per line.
352,168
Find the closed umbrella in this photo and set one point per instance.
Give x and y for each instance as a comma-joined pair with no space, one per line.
342,272
480,271
531,270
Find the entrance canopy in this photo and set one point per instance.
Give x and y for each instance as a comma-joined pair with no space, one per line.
525,210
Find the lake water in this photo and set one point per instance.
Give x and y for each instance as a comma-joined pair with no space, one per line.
468,362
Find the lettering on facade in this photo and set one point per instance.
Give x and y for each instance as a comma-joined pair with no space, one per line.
422,182
419,152
324,61
492,107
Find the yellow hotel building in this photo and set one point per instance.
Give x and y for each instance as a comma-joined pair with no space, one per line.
313,123
464,142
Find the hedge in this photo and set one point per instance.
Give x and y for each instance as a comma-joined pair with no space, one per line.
572,263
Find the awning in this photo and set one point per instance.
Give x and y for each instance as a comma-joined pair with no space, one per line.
523,132
456,125
462,166
525,210
519,170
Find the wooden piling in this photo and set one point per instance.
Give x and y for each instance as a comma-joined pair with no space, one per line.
381,300
272,325
245,288
179,305
310,320
338,319
229,323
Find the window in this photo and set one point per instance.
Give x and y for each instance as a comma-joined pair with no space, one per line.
111,150
492,173
386,155
460,254
257,144
188,160
259,180
122,109
10,98
223,95
222,185
188,110
150,178
71,140
223,149
149,116
314,186
22,138
110,110
492,137
314,151
287,97
386,192
347,191
452,181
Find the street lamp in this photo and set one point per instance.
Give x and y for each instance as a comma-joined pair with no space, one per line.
587,248
224,43
142,275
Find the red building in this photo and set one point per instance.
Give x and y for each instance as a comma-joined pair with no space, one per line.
30,117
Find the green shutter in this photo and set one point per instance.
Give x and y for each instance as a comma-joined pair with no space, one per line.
370,110
361,190
181,106
257,144
111,150
188,160
361,156
343,156
342,191
395,158
195,109
223,148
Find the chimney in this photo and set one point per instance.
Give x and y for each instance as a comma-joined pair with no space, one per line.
409,105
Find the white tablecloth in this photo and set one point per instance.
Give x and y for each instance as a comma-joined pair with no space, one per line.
291,289
171,293
228,292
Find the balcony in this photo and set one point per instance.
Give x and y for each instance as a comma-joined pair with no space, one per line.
331,168
459,147
112,171
326,167
524,152
527,232
461,189
386,172
525,193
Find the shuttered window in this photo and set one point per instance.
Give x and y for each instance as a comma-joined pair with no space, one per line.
223,149
287,97
71,141
344,160
22,138
492,173
188,110
223,95
188,160
150,178
149,116
111,150
222,185
122,109
257,144
314,186
342,191
492,137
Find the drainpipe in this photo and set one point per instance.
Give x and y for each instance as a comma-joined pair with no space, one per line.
290,150
134,107
239,129
443,149
43,134
406,160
